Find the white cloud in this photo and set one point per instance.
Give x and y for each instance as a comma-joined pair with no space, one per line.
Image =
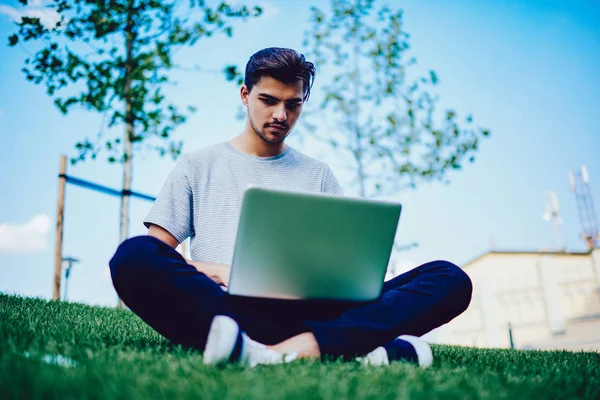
48,17
269,11
26,238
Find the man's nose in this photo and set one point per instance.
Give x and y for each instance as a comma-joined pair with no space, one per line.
280,113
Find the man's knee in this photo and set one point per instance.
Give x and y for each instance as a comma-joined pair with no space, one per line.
459,285
130,255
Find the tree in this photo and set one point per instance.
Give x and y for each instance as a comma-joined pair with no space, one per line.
383,123
115,55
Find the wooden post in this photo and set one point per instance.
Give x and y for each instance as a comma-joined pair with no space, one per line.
60,214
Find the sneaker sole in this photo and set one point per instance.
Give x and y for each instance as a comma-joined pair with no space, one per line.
222,336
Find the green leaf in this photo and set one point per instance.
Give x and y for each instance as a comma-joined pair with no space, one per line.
433,76
231,72
13,40
391,120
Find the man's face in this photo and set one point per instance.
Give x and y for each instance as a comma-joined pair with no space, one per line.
273,108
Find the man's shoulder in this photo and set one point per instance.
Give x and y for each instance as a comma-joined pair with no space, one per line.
204,155
206,152
307,161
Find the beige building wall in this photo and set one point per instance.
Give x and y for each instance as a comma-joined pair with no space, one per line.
549,300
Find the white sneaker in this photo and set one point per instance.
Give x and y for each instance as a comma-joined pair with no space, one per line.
227,343
404,348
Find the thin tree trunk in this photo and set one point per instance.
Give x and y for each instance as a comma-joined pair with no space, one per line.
129,130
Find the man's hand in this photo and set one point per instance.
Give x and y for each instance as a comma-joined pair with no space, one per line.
217,272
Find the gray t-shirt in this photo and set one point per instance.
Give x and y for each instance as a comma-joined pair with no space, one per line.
202,197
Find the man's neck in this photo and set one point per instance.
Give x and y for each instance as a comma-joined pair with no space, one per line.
248,142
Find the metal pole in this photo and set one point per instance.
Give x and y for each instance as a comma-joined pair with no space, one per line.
60,214
510,336
70,262
67,272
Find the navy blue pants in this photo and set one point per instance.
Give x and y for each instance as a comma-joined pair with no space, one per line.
179,302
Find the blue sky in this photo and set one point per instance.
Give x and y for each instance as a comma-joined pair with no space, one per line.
529,71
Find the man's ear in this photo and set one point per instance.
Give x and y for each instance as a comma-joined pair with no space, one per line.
244,94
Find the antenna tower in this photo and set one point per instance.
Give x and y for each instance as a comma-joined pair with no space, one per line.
580,185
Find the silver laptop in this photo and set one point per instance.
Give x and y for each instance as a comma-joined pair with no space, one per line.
301,245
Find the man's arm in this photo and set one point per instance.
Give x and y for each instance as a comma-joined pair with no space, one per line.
163,235
330,184
217,272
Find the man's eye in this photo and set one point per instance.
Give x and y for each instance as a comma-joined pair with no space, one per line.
269,102
293,106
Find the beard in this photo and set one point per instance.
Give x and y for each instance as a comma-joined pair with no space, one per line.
261,134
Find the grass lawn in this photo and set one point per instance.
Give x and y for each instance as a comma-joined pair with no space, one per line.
62,350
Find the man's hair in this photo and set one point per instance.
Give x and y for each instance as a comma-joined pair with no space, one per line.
284,65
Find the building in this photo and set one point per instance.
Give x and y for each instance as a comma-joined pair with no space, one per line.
530,300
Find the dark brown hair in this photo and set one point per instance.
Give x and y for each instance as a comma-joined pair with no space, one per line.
285,65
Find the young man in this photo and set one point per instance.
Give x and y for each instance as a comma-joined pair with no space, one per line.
184,300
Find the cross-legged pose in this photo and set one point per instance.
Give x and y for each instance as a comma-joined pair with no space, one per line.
185,300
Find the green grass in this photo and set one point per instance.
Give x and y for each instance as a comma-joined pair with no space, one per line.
118,356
